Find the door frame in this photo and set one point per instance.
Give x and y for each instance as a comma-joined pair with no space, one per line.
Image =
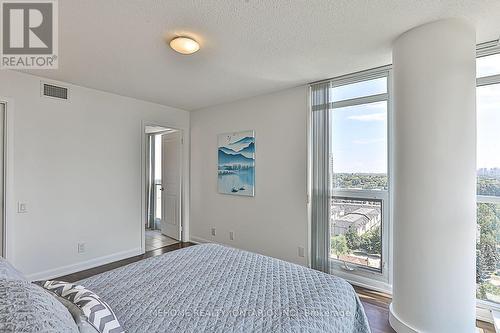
144,187
8,178
177,135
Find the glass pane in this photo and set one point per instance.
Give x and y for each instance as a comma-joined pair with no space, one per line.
360,89
487,252
489,65
358,156
488,139
356,231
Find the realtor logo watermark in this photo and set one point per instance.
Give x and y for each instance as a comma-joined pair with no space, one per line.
29,34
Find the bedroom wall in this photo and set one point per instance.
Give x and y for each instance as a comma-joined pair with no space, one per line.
274,222
77,165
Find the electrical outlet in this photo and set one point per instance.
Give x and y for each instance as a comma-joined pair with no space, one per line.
22,207
81,247
214,232
231,235
301,251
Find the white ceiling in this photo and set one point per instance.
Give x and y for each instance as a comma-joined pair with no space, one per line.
248,47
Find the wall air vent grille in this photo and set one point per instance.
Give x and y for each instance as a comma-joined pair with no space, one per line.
53,91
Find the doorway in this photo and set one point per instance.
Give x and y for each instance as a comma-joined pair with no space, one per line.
163,220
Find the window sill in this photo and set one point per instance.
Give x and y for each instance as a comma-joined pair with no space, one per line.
496,320
368,280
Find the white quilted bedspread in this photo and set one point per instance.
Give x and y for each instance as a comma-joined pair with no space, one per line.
213,288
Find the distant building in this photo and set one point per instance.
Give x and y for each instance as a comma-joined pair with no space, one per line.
489,172
358,216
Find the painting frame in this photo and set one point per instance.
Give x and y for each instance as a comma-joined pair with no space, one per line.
236,163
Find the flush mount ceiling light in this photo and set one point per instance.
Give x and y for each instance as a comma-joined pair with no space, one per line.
184,45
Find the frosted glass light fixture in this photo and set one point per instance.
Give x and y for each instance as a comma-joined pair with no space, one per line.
184,45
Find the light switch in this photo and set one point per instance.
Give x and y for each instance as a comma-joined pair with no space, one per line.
22,207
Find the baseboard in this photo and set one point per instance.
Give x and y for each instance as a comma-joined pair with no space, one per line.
377,286
397,324
73,268
199,240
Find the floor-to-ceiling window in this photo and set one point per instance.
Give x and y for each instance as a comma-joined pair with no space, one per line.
488,179
358,175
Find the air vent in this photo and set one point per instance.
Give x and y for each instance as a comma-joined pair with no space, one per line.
53,91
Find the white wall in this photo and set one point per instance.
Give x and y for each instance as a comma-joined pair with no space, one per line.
78,167
274,222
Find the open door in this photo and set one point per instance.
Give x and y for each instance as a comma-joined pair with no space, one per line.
171,185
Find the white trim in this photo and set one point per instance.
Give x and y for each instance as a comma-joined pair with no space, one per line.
364,75
496,320
309,166
485,309
360,101
488,199
487,48
364,282
9,208
72,268
184,181
399,325
483,314
390,177
199,240
369,279
488,80
3,175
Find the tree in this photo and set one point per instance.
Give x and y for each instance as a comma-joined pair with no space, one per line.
371,241
489,254
353,239
488,219
339,245
481,274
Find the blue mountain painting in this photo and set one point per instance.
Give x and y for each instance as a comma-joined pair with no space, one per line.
236,163
248,151
228,160
241,143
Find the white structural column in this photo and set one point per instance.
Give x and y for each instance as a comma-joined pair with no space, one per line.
434,179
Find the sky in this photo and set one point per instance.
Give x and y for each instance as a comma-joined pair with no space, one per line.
488,126
359,133
359,138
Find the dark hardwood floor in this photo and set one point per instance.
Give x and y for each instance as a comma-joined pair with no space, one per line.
104,268
376,308
376,304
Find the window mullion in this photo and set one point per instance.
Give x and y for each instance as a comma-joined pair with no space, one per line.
360,101
487,80
488,199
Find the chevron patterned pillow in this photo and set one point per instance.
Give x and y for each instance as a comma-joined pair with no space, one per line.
96,312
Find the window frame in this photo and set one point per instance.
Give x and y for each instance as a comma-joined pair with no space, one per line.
361,275
484,308
367,279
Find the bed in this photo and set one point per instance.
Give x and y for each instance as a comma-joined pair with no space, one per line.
214,288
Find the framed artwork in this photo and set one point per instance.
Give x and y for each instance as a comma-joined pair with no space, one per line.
236,163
